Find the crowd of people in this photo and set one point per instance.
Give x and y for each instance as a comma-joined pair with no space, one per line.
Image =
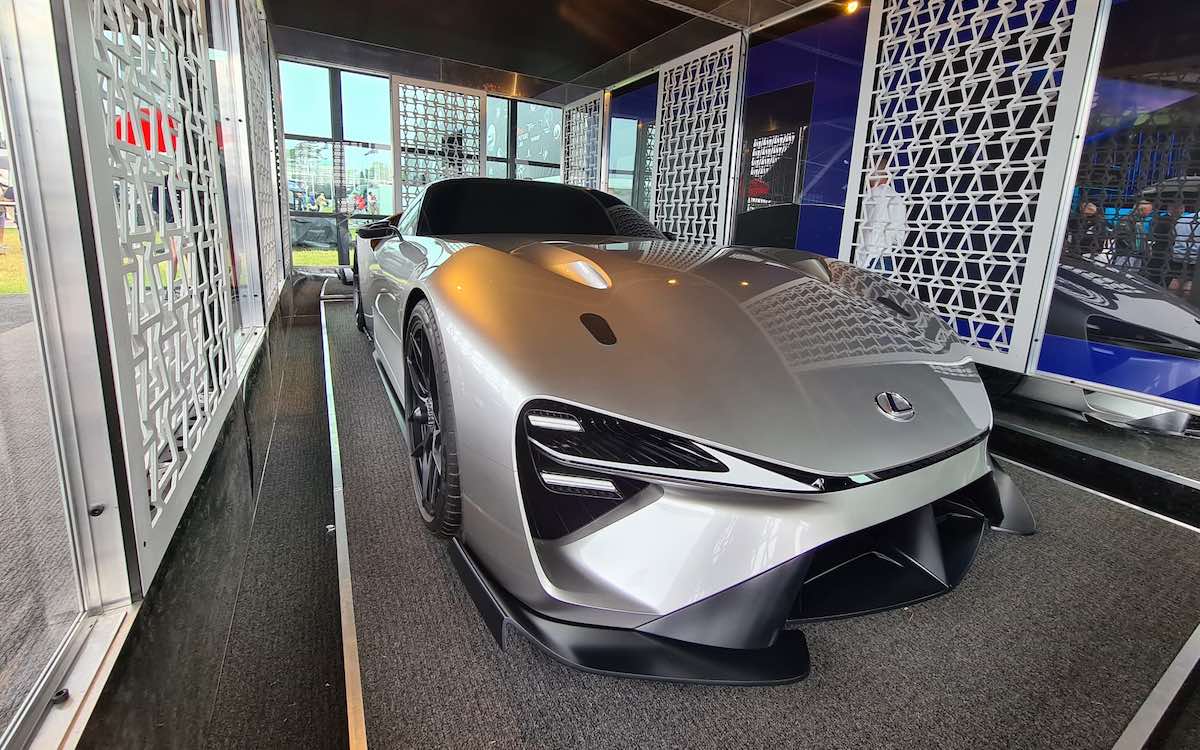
358,202
1161,244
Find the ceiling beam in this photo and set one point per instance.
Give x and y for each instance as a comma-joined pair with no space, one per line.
791,13
700,14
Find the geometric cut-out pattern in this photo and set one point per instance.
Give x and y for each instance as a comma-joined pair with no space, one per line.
960,120
581,142
814,324
261,125
440,135
151,59
694,148
677,255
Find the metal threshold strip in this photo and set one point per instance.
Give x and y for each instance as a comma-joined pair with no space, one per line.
355,717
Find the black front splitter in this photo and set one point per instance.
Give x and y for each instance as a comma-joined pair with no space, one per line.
628,653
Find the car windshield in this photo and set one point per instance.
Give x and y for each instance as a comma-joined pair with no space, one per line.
492,206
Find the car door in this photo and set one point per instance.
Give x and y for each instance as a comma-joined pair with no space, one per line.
396,263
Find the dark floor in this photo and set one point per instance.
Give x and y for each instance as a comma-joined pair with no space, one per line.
1053,640
1183,732
238,642
1177,455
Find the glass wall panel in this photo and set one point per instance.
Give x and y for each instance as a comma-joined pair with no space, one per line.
305,90
310,176
538,172
622,150
497,128
366,108
539,133
314,241
368,181
1124,309
537,154
39,587
799,116
631,142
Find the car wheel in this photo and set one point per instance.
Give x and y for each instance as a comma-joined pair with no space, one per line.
360,316
430,412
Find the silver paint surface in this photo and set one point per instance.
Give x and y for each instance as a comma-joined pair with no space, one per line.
776,354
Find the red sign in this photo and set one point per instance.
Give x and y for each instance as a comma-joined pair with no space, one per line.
126,131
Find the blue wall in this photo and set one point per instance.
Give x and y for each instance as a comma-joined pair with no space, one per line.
829,55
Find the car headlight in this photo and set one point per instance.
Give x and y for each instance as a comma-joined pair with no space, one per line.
575,465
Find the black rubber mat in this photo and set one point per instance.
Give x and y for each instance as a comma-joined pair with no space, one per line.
238,642
1052,640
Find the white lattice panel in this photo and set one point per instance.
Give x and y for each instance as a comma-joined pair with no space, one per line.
953,200
696,134
582,145
438,132
168,253
261,126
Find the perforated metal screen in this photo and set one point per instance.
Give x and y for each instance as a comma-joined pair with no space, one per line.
437,132
150,117
582,143
696,141
261,127
959,159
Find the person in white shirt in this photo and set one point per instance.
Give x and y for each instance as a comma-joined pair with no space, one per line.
884,224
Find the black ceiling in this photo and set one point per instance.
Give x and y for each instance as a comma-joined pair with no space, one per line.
555,39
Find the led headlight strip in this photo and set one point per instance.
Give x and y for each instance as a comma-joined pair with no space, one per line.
566,438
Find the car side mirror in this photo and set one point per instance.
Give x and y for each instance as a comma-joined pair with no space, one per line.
378,230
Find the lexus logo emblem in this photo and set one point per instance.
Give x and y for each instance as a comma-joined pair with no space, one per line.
894,406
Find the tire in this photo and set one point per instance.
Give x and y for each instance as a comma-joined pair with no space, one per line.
433,443
360,316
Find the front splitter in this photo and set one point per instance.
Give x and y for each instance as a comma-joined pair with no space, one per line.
628,653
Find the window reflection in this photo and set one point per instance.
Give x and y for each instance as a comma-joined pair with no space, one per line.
337,169
310,175
368,181
366,112
539,133
305,99
537,154
631,142
1124,307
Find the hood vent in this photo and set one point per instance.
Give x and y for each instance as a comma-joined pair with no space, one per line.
566,263
599,328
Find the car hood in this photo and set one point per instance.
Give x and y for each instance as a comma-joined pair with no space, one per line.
777,353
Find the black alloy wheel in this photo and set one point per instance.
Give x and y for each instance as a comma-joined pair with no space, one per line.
360,317
431,424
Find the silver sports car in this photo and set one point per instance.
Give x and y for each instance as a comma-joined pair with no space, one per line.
654,457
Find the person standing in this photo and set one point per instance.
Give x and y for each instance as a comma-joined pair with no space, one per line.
1087,232
1185,252
1159,245
1132,235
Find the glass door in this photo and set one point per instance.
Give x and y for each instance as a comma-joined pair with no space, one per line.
40,597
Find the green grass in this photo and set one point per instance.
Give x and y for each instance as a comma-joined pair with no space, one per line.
14,278
311,256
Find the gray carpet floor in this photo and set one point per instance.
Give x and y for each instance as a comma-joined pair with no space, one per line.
37,573
1178,455
1052,640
